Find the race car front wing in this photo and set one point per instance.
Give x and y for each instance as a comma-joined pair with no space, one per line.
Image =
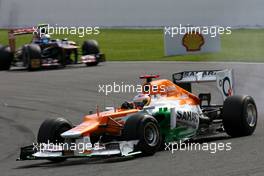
117,148
93,58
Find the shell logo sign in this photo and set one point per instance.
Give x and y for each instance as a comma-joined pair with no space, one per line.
193,41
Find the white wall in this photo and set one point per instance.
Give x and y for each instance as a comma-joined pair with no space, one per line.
131,12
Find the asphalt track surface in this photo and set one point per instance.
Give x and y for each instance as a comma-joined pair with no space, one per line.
27,98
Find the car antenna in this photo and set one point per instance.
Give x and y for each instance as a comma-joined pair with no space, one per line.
97,110
114,105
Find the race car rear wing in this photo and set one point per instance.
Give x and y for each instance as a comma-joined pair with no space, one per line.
223,79
12,33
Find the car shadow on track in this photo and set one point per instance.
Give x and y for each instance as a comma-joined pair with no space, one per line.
210,139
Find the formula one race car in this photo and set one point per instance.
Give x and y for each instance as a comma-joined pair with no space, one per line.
46,52
163,112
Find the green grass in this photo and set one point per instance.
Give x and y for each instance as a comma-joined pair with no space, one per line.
143,44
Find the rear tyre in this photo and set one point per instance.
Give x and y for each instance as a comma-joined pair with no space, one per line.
31,56
6,58
50,131
239,115
144,128
91,47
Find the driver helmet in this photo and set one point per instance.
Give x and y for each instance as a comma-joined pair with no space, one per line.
141,100
45,38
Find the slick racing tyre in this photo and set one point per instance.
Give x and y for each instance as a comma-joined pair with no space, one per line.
6,57
31,56
144,128
239,115
90,47
50,131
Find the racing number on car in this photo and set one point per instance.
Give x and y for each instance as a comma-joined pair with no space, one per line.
226,86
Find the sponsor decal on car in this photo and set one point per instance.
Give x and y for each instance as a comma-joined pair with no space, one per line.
187,116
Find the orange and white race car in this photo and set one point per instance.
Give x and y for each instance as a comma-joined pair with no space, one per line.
165,112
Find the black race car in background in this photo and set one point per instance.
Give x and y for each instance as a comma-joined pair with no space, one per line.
46,52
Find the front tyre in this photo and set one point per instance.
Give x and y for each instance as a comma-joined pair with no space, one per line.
144,128
91,47
239,115
51,130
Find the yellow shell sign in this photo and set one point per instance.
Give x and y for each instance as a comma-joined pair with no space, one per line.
193,41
